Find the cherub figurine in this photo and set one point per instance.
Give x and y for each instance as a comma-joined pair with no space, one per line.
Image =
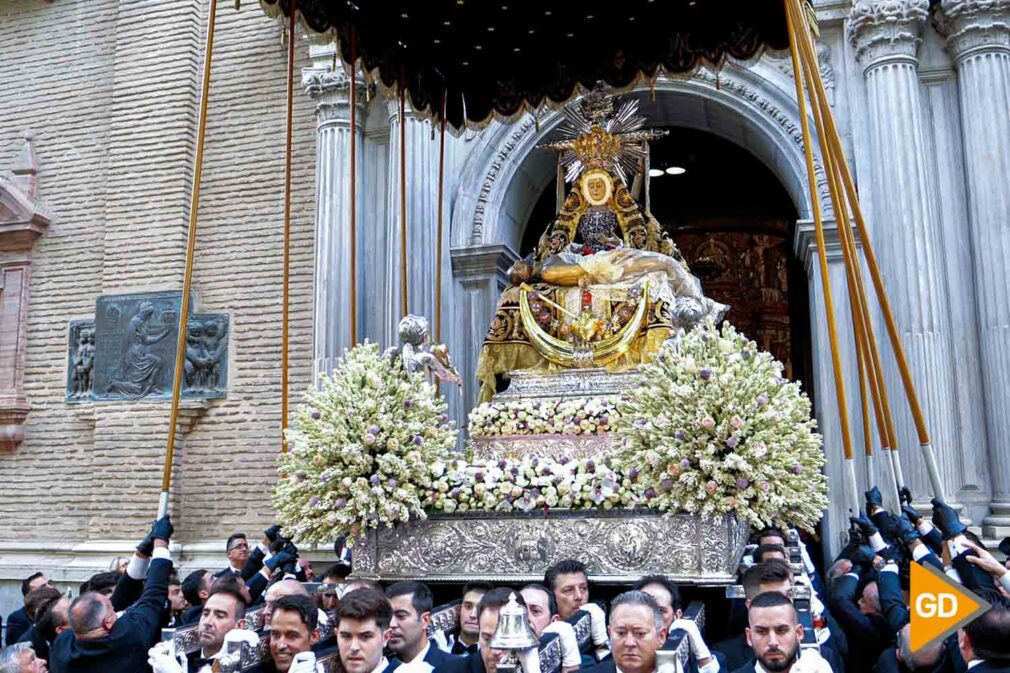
418,353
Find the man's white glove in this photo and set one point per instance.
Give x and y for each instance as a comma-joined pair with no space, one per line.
811,661
698,647
598,629
240,636
162,658
440,641
808,563
529,660
304,662
570,656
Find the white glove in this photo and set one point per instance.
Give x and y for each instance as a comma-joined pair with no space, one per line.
163,659
241,636
529,660
808,563
304,662
698,646
440,641
811,661
570,656
598,623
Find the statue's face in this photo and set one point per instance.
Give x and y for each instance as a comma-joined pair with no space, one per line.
597,188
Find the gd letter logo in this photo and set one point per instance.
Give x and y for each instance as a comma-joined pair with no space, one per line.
940,606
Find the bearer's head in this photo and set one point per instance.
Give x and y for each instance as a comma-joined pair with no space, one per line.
487,618
362,629
294,628
636,631
773,631
223,611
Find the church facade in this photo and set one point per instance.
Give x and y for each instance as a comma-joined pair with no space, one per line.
99,112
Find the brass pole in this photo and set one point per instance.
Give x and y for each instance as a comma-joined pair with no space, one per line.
354,189
829,307
285,283
403,199
187,276
438,232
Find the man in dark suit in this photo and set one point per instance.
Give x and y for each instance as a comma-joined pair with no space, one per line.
636,634
408,640
774,634
99,641
466,639
196,589
985,642
362,629
224,611
17,621
485,659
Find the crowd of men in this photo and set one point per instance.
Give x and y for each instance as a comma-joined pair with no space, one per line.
790,619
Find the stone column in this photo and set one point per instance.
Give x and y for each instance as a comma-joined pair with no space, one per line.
332,277
905,230
978,38
422,213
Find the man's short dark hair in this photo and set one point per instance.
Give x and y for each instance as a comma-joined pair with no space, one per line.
476,585
771,599
173,579
768,549
232,538
38,598
564,567
303,605
666,583
420,594
229,583
364,604
552,603
337,571
48,620
990,635
635,597
192,586
362,583
229,589
770,531
772,571
101,582
86,613
26,584
498,598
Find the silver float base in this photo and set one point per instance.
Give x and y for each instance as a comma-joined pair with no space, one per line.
618,546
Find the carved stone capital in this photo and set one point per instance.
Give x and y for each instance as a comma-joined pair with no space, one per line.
331,89
974,26
887,30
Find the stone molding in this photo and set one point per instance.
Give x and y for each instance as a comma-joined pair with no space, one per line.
805,242
331,89
974,26
883,31
482,261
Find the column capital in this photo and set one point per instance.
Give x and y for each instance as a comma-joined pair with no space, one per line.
887,30
805,242
974,26
482,261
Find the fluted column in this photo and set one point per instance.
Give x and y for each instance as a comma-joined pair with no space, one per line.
978,38
905,229
422,213
331,327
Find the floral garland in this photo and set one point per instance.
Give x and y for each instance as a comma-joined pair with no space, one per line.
528,484
576,416
361,449
714,428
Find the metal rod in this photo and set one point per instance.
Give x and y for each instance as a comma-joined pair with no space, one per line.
286,275
187,276
403,199
438,228
354,188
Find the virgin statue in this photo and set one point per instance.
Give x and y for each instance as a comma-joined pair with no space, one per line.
606,285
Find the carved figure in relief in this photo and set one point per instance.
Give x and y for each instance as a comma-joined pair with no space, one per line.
82,378
140,369
418,353
206,344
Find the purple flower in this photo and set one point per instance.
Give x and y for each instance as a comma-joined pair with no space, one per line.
666,484
633,473
418,440
340,503
662,357
742,483
391,484
313,501
704,336
408,404
685,463
534,461
797,469
479,475
454,492
324,478
639,423
732,442
745,354
679,434
373,429
502,464
316,415
762,400
604,420
650,493
705,373
514,471
374,480
444,418
590,466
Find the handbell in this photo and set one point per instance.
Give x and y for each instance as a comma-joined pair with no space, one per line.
513,631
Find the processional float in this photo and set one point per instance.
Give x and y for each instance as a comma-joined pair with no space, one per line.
460,80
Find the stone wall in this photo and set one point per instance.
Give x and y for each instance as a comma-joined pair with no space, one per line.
110,91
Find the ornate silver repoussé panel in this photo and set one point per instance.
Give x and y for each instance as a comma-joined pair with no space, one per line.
618,546
568,383
496,447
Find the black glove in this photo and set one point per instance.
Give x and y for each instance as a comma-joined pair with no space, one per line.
890,553
862,556
279,559
911,512
864,523
162,529
272,533
902,529
946,520
290,568
873,497
905,495
146,546
1004,547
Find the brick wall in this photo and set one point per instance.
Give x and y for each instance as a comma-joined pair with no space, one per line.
111,91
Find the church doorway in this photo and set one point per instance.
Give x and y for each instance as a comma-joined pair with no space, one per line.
734,223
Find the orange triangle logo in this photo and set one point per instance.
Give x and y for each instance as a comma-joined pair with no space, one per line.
940,606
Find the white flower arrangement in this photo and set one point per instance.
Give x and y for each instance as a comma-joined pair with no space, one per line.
576,416
714,428
528,484
361,449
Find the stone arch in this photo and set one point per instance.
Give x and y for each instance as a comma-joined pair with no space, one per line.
504,174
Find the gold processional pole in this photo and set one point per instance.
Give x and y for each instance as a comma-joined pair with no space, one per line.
403,197
354,187
187,277
838,172
438,236
829,307
285,292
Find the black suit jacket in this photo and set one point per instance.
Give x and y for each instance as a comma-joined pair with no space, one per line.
991,667
605,666
869,634
17,624
39,644
436,657
471,663
124,650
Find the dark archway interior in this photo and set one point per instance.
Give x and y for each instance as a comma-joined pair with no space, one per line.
734,222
